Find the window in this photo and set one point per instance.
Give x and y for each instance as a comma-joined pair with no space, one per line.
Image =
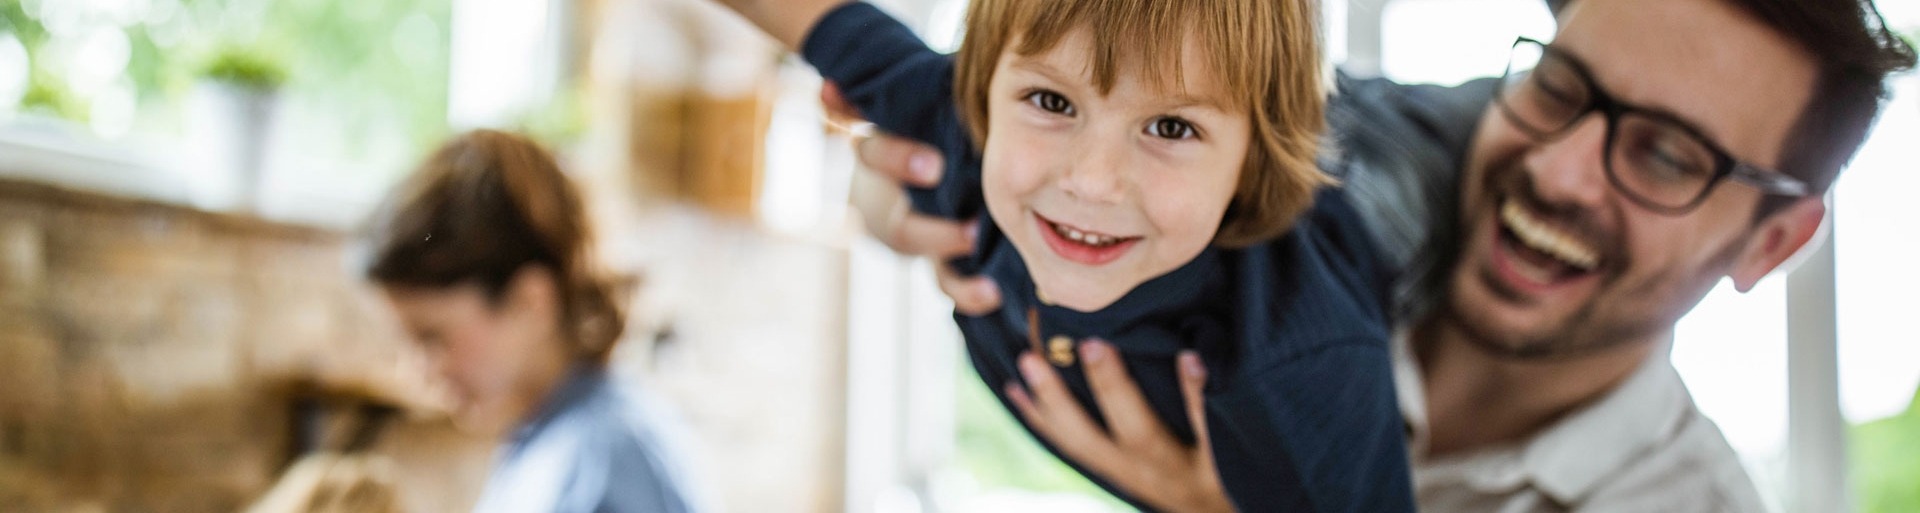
364,90
1453,41
1876,292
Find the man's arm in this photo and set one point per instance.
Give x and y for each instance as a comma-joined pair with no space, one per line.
786,20
890,163
1398,153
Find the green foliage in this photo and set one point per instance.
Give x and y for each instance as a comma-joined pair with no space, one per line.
248,68
48,96
376,64
1886,462
371,66
14,19
998,453
561,122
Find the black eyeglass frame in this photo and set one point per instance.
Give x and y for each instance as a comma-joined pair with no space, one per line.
1725,166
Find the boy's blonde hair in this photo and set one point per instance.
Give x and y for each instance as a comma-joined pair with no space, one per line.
1265,54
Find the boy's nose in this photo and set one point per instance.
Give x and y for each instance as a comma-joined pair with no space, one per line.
1096,172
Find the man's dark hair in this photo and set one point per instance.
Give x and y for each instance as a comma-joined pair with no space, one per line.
1855,52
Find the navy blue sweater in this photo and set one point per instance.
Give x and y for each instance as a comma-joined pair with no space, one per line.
1300,405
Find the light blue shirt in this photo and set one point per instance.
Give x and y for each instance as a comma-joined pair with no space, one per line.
594,447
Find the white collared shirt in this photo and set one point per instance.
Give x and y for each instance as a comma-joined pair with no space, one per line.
1644,447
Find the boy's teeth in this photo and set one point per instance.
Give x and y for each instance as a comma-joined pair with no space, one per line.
1546,239
1083,237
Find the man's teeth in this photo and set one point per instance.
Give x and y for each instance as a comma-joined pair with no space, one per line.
1089,239
1538,235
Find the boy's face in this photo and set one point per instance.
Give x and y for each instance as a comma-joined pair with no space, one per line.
1101,193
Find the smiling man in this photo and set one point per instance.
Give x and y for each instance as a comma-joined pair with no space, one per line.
1552,226
1653,148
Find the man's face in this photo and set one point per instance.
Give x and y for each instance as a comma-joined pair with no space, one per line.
1557,261
1101,192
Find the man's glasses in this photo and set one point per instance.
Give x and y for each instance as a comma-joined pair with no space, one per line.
1657,160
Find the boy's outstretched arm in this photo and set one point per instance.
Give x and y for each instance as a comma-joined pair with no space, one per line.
786,20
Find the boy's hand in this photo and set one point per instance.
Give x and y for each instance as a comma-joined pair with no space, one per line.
1138,454
891,163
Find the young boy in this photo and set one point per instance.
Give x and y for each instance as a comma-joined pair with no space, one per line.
1137,160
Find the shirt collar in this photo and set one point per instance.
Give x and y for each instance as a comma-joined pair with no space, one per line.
1571,457
1171,292
1411,391
581,381
1171,295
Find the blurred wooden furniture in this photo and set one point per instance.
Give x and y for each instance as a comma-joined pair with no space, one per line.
149,350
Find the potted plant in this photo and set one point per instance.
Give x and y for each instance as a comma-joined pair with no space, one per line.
234,105
46,97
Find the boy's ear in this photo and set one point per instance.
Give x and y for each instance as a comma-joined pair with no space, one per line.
1779,238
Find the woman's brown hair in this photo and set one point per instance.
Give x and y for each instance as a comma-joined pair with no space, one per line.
481,208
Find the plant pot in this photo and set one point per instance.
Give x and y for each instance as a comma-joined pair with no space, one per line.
231,127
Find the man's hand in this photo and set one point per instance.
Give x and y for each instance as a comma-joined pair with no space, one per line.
1135,453
891,164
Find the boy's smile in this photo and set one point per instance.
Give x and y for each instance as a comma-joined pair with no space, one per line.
1082,245
1101,191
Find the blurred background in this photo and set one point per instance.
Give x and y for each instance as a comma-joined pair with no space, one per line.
181,182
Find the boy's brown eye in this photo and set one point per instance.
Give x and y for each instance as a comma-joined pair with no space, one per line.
1170,128
1051,102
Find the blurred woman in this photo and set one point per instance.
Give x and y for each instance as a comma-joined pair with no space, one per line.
485,254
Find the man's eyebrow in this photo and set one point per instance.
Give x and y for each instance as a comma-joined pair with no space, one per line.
1657,109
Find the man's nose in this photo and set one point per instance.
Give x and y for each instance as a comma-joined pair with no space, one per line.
1096,172
1570,168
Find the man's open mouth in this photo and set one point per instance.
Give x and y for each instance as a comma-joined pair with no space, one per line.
1544,254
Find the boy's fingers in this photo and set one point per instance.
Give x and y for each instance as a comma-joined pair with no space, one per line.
1193,382
972,295
905,161
1128,416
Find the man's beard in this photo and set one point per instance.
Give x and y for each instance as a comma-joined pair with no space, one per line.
1588,329
1579,335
